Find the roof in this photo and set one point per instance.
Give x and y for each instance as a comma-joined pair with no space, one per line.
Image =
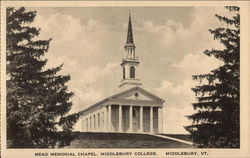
122,93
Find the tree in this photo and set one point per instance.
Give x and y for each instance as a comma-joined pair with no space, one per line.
216,121
37,99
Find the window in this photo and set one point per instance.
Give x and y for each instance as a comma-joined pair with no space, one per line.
103,117
132,72
98,120
123,73
90,123
87,128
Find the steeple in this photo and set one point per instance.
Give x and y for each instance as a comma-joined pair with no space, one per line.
130,46
130,63
130,32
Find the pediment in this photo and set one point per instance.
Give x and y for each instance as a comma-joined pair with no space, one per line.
129,96
137,93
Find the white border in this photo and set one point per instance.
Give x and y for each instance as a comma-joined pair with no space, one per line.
244,150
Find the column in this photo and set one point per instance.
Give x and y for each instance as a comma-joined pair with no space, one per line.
160,120
109,118
120,118
141,118
131,118
105,119
151,119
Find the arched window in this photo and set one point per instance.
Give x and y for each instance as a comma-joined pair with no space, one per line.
132,72
124,73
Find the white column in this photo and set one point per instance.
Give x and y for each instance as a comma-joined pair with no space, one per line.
105,119
151,119
109,118
131,118
120,118
141,118
160,120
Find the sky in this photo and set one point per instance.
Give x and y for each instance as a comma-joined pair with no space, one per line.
89,42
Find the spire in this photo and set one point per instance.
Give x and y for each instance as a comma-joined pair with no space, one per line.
130,32
130,62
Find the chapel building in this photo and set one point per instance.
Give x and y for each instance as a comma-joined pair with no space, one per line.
133,110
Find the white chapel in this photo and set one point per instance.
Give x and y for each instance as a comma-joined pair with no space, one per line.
133,109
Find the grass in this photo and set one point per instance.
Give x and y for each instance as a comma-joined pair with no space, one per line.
123,140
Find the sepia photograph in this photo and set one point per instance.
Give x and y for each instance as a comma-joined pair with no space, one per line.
132,80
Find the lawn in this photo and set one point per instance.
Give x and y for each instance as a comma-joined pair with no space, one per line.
123,140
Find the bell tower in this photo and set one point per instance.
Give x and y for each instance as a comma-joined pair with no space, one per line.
130,63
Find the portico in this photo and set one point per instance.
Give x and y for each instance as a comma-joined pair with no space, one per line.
130,119
121,113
